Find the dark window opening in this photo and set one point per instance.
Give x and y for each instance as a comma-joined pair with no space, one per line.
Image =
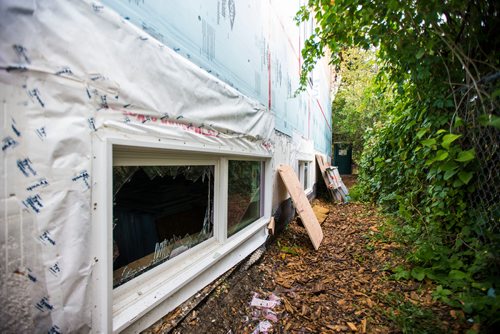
158,213
304,173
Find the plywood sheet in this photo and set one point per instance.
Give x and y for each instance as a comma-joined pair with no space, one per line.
271,226
301,204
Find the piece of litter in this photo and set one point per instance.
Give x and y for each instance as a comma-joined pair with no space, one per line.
275,298
257,302
263,327
270,315
256,314
263,311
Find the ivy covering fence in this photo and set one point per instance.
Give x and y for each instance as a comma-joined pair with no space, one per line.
430,156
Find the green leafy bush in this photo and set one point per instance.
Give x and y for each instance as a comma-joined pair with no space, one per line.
423,176
437,90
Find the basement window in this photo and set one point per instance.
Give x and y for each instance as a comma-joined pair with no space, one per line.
159,212
244,194
305,174
166,217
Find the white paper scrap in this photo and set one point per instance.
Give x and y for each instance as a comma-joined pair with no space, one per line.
257,302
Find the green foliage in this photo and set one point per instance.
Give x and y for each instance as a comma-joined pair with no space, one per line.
355,107
422,176
290,250
244,176
418,163
356,193
411,318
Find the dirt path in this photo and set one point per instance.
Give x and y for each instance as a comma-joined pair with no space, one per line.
345,286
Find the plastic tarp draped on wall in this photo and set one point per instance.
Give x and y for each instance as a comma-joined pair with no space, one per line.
68,70
264,61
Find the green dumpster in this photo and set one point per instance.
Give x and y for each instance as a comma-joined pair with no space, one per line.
342,157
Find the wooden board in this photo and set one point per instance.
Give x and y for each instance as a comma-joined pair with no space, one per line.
334,184
301,204
342,185
271,226
322,168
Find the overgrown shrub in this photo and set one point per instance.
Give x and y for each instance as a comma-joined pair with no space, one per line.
433,161
424,176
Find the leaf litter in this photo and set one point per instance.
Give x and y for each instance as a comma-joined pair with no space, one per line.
345,286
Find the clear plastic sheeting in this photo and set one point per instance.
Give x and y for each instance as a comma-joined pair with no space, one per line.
70,71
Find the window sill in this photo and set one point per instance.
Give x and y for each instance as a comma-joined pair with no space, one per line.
308,191
134,299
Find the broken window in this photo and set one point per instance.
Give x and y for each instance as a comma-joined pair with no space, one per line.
158,213
244,194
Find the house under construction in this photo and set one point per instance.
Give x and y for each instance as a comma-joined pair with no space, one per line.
140,148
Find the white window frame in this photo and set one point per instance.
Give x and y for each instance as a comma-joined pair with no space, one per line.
307,187
117,309
262,190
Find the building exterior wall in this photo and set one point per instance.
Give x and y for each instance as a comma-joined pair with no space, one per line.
254,46
78,80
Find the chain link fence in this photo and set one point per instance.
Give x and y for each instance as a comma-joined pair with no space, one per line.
480,113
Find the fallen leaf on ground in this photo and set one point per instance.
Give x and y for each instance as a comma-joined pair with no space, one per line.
352,326
363,326
344,282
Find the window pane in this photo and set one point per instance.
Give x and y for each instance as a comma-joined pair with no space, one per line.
244,195
158,213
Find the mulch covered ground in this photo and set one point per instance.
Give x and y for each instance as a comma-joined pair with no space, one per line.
345,286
